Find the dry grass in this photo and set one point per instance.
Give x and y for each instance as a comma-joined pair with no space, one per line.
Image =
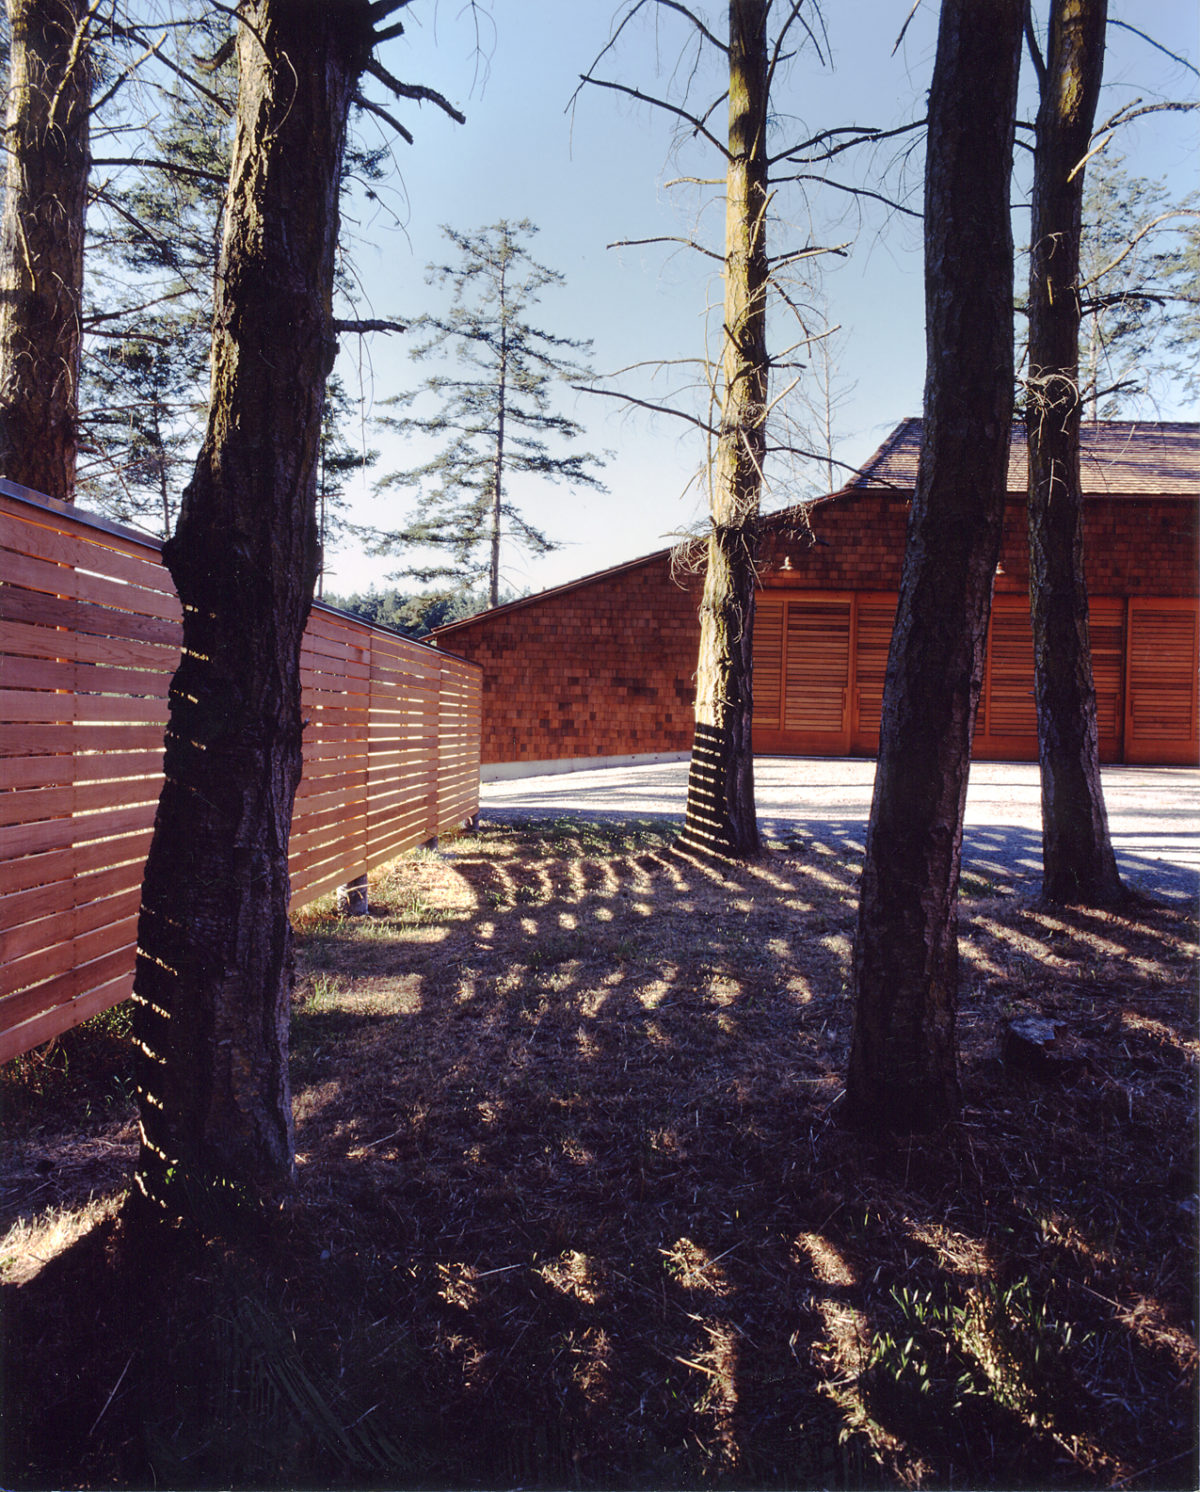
574,1208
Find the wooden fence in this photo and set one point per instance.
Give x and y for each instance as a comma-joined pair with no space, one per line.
89,639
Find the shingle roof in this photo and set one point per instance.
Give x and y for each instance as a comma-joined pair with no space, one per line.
1124,458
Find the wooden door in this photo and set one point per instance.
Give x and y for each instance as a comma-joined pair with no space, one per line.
874,620
768,662
1161,698
802,655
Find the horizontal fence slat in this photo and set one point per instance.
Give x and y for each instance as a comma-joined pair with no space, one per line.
83,616
89,639
62,1017
82,678
26,1003
80,647
80,584
17,840
64,865
34,952
38,903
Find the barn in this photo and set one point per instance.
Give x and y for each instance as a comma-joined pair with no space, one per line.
601,670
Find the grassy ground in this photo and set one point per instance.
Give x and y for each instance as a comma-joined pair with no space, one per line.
574,1207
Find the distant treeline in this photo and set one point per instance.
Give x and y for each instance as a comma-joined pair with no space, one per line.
412,613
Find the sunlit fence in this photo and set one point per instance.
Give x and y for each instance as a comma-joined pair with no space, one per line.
89,639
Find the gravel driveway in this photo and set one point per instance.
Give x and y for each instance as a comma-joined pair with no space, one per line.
1154,812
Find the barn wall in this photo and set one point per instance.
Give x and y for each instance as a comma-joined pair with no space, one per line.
605,668
1135,546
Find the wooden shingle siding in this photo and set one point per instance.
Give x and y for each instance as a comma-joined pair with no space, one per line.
604,666
89,639
596,670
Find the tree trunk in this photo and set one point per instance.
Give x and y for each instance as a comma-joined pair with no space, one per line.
720,815
902,1073
215,968
1078,864
498,467
41,243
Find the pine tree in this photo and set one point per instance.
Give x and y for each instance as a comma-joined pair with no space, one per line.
340,458
902,1072
1140,290
215,966
1078,864
152,253
496,414
46,137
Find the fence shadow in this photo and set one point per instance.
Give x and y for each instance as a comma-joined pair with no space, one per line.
576,1209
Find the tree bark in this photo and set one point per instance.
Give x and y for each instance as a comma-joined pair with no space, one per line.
902,1072
720,817
1078,864
215,966
501,408
41,243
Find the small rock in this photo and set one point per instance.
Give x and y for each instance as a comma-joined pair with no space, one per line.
1029,1044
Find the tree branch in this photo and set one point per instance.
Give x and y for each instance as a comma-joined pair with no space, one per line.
861,135
1183,62
853,191
1143,231
780,261
688,243
645,404
169,166
916,5
1035,51
697,22
90,323
372,325
1136,109
414,91
381,113
659,103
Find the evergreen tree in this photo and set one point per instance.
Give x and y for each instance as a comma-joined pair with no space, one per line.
153,244
1078,864
902,1072
1140,287
46,136
414,615
215,963
496,414
340,458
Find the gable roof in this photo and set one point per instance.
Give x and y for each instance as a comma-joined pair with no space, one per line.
1126,458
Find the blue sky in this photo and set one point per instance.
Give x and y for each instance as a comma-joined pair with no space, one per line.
598,173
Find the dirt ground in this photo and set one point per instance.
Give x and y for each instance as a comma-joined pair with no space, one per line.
574,1207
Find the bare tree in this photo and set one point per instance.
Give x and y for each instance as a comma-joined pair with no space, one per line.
215,952
761,36
1078,864
902,1071
720,813
41,241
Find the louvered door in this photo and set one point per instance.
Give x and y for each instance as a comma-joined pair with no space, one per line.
876,615
817,673
768,662
1161,698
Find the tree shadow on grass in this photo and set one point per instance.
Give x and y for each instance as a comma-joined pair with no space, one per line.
574,1208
